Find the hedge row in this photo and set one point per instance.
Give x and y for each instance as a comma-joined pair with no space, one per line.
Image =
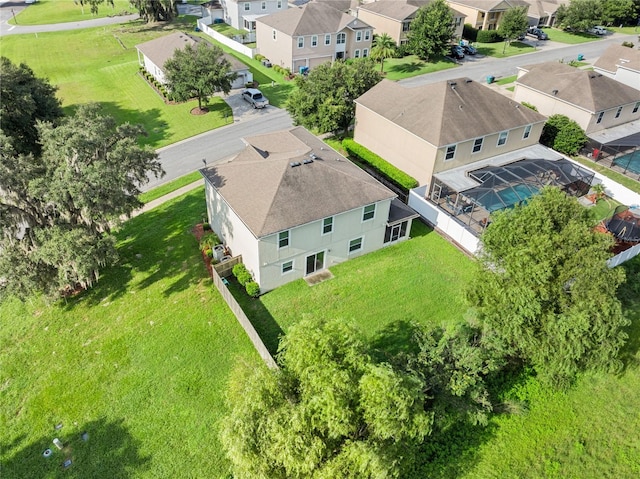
482,36
245,279
370,158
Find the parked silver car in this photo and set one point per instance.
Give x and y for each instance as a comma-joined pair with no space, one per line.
255,97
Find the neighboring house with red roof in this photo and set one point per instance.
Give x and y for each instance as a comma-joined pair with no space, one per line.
153,54
620,63
292,206
394,17
310,35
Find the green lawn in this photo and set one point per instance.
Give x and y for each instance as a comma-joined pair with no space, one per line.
101,65
411,66
624,180
496,49
604,208
140,362
45,12
507,80
558,35
169,187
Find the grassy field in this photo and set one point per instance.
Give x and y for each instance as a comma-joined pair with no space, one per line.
140,362
169,187
498,50
411,66
558,35
101,65
45,12
507,80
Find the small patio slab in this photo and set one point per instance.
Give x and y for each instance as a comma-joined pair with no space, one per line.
318,277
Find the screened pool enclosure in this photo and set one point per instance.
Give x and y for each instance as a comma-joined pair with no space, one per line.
500,187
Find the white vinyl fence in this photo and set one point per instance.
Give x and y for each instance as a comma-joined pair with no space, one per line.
203,25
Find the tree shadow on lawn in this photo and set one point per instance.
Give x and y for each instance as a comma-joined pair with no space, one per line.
159,244
108,451
409,67
151,120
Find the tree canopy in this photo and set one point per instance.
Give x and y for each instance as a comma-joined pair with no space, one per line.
544,294
514,23
94,4
26,100
155,10
57,209
198,72
563,134
431,31
324,100
584,14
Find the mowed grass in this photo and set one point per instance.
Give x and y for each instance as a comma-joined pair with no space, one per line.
499,50
44,12
169,187
422,280
558,35
411,66
140,362
101,65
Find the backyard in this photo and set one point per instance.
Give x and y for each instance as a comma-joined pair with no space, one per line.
44,12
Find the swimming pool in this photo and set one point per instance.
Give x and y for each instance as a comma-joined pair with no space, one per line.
507,197
630,161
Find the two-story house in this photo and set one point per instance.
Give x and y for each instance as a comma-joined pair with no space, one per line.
485,14
543,13
473,150
292,206
620,63
394,17
310,35
242,14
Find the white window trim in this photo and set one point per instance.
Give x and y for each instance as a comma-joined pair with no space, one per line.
364,212
356,53
359,36
323,233
636,107
279,4
599,117
367,35
349,251
365,52
446,152
314,41
473,151
263,5
527,132
618,112
300,42
282,271
341,38
506,138
327,36
247,6
288,239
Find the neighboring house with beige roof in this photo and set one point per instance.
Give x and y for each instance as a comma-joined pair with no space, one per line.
543,13
242,14
485,14
153,54
593,100
436,127
292,206
394,17
620,63
310,35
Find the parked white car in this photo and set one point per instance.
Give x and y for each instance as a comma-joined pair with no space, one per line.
598,30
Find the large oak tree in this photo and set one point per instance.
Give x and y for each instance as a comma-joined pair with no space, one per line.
431,31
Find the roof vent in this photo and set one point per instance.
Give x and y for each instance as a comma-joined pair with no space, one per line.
468,80
313,156
293,164
554,92
307,161
452,84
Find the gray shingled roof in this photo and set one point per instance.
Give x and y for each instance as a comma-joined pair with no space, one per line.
587,89
488,5
396,9
163,48
269,195
618,55
311,19
443,114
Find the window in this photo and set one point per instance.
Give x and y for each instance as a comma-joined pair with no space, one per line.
327,225
369,212
477,145
365,52
527,132
287,266
600,115
327,39
451,152
263,6
274,34
341,38
395,232
367,35
355,245
279,4
247,6
405,26
618,112
300,42
636,107
283,239
314,41
356,54
502,139
358,36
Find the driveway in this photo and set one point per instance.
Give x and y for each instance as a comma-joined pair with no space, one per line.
242,110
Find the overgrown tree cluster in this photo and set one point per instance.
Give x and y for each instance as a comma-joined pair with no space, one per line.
431,31
64,183
198,71
156,10
513,24
563,134
584,14
324,100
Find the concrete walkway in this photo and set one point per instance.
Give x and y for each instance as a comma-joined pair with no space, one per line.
168,197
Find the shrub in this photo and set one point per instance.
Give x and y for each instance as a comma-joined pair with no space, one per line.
259,57
238,268
529,105
206,226
387,169
208,241
209,252
402,51
470,33
627,44
489,36
244,277
252,288
287,72
563,134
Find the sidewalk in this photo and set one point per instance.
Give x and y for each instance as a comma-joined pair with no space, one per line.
167,197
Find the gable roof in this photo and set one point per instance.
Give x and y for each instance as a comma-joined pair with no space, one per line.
270,195
399,9
589,90
617,55
311,19
447,112
490,5
540,8
163,48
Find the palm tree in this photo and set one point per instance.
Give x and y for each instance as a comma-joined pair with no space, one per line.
383,47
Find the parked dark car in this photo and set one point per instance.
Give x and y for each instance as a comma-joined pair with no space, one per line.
536,32
456,52
469,50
